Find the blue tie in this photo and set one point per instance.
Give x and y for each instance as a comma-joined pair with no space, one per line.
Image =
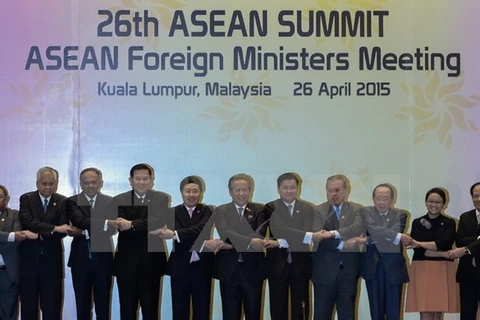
337,212
45,205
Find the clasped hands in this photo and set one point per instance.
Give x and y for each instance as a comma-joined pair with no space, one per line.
25,234
120,224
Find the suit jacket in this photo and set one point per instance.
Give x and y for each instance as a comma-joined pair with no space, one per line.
82,216
381,233
327,258
135,248
292,228
49,245
10,222
467,234
191,237
239,231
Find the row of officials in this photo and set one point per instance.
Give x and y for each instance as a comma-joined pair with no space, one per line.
288,241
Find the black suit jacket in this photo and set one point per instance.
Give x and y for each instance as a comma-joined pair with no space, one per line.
292,229
82,216
135,248
239,231
381,234
327,258
49,245
10,222
191,237
467,234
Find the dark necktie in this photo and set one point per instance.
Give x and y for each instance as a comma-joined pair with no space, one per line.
45,205
89,247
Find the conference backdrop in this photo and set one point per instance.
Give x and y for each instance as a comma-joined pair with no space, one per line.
379,90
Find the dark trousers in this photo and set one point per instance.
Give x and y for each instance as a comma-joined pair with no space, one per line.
469,298
50,292
139,288
195,284
8,297
238,290
299,295
88,281
342,292
384,297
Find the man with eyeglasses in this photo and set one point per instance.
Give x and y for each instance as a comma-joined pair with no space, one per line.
91,254
140,260
41,260
383,264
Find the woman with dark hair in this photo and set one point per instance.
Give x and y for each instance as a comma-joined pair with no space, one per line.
432,289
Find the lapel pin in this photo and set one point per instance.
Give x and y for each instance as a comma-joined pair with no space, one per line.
298,211
54,204
148,200
343,217
3,219
388,219
247,208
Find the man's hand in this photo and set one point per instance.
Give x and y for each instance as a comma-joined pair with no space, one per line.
123,224
352,243
167,233
256,244
406,239
30,235
321,235
64,228
456,253
213,244
20,236
270,243
360,240
75,232
112,223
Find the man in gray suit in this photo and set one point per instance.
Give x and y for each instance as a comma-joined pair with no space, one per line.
10,237
336,257
383,264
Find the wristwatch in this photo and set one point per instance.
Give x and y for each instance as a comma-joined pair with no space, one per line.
332,233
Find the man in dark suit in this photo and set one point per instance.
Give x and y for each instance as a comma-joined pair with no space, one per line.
241,270
10,238
190,270
41,260
91,254
383,264
289,259
336,257
140,260
468,250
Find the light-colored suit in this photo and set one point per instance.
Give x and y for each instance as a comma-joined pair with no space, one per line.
383,265
336,270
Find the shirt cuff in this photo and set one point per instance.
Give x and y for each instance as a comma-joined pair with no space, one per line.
397,239
340,245
11,237
105,226
176,236
308,238
337,235
203,246
283,243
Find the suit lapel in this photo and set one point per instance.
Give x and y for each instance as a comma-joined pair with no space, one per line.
5,219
